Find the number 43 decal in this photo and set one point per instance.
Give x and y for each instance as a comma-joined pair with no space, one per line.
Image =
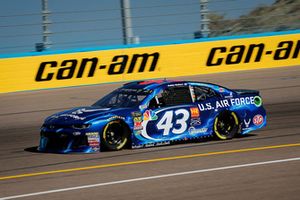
165,123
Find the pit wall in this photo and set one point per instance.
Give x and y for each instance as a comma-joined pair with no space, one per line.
33,71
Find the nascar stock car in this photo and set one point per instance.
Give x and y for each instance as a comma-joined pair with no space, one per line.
152,113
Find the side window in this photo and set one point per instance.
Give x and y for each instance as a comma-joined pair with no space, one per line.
203,93
172,96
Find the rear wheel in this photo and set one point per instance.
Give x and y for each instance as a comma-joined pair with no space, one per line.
226,125
114,136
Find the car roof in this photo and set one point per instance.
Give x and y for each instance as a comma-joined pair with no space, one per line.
153,84
150,84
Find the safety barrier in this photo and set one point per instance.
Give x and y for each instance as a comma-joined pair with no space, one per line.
74,68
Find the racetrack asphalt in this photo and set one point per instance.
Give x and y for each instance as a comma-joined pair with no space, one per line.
263,165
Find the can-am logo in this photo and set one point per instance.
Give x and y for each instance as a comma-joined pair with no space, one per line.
241,54
88,67
258,120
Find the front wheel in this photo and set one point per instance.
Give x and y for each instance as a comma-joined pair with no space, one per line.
114,136
226,125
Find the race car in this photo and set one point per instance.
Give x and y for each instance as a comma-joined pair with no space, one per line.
151,113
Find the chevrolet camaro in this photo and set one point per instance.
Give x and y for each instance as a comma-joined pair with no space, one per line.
151,113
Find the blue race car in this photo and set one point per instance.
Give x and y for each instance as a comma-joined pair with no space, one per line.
151,113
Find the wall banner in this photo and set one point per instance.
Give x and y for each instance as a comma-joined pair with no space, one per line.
42,71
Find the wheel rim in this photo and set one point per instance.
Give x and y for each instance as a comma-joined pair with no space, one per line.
114,136
226,125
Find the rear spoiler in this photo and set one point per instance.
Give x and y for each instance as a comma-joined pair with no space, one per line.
246,92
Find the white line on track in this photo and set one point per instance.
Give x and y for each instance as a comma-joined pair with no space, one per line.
150,178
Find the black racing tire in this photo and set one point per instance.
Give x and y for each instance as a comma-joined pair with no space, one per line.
226,125
115,136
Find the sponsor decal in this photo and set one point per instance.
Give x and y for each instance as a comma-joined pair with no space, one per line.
149,145
221,89
137,119
73,116
138,91
177,84
157,144
149,115
94,143
229,96
137,122
166,125
258,120
80,111
137,132
206,106
195,122
195,112
116,117
84,110
247,122
242,101
137,126
192,93
193,130
93,140
142,107
150,82
136,114
92,134
224,103
76,133
257,101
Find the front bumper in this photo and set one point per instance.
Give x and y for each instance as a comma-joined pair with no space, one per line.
68,141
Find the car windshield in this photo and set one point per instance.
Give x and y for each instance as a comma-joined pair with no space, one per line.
123,97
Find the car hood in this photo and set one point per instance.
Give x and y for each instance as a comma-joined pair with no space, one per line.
81,115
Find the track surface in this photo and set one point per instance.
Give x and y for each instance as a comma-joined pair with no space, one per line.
21,115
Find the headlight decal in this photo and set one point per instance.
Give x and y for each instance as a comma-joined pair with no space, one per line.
81,126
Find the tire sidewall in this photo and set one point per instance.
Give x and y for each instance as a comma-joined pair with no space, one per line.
234,130
110,147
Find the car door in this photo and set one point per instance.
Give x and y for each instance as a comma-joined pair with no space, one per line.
168,115
209,104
